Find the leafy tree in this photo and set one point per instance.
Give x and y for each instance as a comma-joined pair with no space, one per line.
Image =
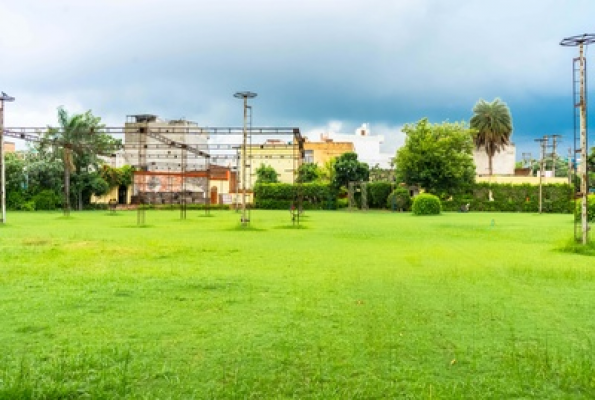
493,126
348,169
266,174
79,142
437,157
327,171
117,176
308,172
15,173
29,173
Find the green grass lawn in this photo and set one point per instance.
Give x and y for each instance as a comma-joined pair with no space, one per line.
350,305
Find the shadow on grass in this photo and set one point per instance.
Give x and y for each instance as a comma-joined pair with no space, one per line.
297,227
249,228
574,247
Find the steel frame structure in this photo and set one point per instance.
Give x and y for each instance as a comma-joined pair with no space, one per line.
188,159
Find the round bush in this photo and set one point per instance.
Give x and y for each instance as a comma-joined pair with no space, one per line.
426,204
399,199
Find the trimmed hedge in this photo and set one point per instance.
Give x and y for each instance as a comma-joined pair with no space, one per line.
557,198
426,204
280,196
378,192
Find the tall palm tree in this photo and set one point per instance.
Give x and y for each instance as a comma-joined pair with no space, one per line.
493,127
79,141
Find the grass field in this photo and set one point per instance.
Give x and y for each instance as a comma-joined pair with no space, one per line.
374,305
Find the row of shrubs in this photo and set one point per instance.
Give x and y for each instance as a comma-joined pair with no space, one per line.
380,195
44,200
557,198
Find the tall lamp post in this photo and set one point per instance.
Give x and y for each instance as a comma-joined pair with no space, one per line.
581,41
3,98
245,96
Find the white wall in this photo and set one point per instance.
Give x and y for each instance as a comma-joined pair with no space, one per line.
502,162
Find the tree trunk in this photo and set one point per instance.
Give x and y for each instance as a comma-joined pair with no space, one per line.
66,187
490,167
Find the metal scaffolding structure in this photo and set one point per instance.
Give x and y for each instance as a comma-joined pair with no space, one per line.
579,88
183,155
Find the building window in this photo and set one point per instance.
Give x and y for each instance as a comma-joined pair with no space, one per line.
309,156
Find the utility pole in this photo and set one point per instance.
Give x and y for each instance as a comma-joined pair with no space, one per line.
527,162
3,98
570,166
554,154
245,96
581,41
543,142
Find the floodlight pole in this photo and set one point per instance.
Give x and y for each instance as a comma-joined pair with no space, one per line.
581,41
245,96
3,98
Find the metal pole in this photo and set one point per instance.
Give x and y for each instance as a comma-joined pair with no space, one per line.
237,181
581,41
554,154
570,166
3,98
2,167
583,131
541,172
541,178
244,165
245,96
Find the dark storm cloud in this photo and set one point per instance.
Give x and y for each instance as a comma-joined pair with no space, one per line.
386,62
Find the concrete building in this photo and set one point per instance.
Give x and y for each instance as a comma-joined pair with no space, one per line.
9,147
284,157
503,162
321,152
170,162
366,146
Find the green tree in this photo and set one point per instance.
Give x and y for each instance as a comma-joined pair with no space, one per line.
308,172
80,142
437,157
327,171
492,123
348,169
266,174
117,176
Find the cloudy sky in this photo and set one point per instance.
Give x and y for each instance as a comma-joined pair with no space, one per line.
315,64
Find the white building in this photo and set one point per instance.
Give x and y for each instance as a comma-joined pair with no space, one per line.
366,146
503,162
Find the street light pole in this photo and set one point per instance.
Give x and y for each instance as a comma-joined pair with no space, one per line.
3,98
581,41
245,96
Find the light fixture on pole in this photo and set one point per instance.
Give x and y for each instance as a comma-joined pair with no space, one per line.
245,96
3,98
